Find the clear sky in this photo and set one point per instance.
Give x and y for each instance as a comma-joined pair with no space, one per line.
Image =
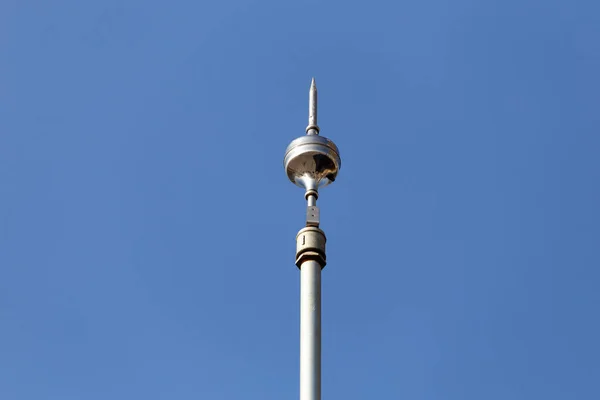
147,229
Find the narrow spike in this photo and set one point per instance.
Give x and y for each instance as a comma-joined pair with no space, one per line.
312,128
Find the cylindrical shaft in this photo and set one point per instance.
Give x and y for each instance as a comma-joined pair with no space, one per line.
312,103
312,128
310,330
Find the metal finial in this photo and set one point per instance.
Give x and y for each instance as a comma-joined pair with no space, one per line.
312,161
312,128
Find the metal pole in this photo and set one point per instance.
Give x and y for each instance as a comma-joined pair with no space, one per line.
310,330
310,314
311,162
310,258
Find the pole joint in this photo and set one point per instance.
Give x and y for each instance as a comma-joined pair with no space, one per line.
310,245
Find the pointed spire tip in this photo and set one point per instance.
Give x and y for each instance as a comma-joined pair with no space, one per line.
312,128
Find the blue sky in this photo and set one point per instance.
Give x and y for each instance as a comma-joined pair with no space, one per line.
147,227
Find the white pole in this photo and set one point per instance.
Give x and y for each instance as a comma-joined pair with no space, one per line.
310,330
310,162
